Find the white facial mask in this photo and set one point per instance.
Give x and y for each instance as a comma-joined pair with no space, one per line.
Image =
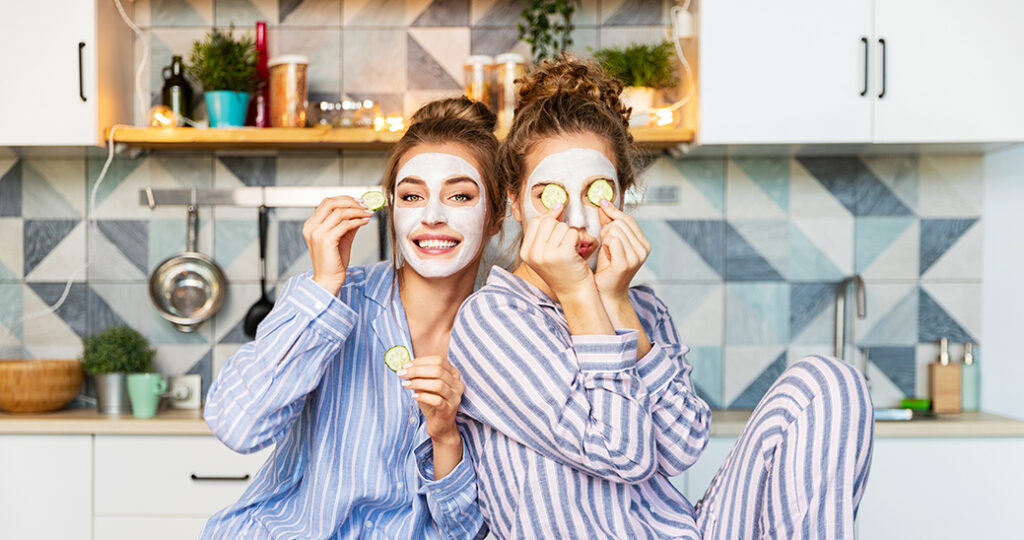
468,221
574,169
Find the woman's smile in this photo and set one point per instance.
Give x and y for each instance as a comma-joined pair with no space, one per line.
432,244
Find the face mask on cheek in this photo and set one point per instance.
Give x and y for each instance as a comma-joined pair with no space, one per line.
468,221
574,169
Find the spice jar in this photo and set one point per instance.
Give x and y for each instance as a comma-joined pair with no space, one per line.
510,66
479,73
288,90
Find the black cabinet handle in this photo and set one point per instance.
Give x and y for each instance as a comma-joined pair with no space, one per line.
864,40
197,478
81,85
881,41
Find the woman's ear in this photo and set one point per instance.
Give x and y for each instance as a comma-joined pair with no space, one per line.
513,203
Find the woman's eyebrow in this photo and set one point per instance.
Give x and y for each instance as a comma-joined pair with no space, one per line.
459,180
412,180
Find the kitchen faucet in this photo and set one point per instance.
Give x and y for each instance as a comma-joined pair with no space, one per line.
862,311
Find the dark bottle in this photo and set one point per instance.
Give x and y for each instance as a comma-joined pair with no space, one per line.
177,92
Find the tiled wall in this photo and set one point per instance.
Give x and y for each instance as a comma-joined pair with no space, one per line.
748,260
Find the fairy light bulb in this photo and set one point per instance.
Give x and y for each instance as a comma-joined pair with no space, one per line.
161,116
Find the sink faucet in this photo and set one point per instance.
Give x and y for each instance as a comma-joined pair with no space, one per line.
862,311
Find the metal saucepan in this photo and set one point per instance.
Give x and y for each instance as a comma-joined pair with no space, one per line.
188,288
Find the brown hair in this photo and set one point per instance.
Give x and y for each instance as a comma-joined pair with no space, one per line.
567,96
451,120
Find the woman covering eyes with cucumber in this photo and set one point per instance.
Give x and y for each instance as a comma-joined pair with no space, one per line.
579,405
348,375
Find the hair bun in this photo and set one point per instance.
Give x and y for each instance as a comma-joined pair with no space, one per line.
459,108
575,77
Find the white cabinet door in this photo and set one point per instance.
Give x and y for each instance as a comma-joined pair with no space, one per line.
944,489
784,72
46,486
953,71
47,66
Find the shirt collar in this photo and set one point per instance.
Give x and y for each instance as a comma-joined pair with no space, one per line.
499,277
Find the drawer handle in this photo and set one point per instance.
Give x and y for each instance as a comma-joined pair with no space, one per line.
196,478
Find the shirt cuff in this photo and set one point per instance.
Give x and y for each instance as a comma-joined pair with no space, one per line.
606,353
656,369
329,314
455,482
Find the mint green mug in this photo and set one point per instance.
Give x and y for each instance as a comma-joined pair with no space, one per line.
145,389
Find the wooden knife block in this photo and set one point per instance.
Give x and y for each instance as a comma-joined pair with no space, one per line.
944,387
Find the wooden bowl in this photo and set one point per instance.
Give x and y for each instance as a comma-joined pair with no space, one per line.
29,386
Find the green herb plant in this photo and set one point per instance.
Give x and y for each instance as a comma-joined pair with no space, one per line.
220,62
118,349
547,26
639,65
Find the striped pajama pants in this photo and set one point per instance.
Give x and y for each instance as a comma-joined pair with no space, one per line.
799,468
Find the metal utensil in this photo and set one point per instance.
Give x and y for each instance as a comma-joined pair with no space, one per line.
188,288
262,307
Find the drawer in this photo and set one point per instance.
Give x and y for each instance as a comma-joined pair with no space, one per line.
169,475
150,528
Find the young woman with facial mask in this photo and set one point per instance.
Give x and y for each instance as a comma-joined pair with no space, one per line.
363,451
579,405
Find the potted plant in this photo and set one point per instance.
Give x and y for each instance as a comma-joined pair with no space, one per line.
227,70
109,356
643,69
547,27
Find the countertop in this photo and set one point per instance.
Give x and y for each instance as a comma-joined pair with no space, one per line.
723,424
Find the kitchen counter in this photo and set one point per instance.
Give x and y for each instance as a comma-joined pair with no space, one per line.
90,422
723,424
968,424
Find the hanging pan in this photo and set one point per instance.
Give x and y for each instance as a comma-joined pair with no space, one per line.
188,288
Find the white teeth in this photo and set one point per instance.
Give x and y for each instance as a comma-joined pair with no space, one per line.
436,244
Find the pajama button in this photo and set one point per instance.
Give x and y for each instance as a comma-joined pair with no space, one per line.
401,485
319,305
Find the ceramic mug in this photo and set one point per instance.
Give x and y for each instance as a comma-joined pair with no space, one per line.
144,389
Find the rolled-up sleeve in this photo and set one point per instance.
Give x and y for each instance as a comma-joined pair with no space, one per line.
452,500
261,389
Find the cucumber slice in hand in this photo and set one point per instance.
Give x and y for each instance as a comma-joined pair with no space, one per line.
600,190
374,200
553,195
396,357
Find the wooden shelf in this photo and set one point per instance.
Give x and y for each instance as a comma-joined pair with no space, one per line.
314,138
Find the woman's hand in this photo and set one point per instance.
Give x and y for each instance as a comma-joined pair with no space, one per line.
329,234
437,386
624,248
549,248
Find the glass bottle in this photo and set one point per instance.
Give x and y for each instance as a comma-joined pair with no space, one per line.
177,92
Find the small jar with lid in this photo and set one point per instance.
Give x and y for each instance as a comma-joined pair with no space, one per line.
479,73
288,88
509,67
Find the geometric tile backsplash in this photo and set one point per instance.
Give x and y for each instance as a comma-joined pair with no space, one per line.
748,259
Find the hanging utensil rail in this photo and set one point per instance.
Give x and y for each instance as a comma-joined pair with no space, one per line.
253,197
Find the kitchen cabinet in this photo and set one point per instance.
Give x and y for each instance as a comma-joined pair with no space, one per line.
860,71
46,486
64,80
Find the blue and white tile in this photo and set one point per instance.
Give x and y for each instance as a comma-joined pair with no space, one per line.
701,251
707,373
699,184
892,315
374,14
119,195
166,338
119,250
245,13
167,237
900,174
820,249
951,186
622,36
10,187
437,13
320,169
435,57
493,41
756,250
887,389
697,311
749,371
12,261
54,334
363,168
53,188
173,12
54,249
810,198
374,61
229,322
811,313
951,249
950,309
757,313
757,189
310,13
323,48
633,12
115,303
163,44
236,247
11,330
887,248
180,359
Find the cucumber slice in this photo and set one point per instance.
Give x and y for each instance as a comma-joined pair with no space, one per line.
396,357
600,190
374,200
553,195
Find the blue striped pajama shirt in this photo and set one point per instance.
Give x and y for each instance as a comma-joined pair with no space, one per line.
352,456
574,437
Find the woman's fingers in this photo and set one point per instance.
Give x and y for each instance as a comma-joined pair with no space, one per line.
618,216
330,204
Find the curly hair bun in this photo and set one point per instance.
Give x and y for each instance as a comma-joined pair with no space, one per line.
460,108
575,77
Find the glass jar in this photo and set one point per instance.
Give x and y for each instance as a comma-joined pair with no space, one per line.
479,73
510,67
288,90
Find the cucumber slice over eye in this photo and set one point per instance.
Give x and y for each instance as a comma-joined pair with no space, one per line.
396,357
553,195
600,190
374,200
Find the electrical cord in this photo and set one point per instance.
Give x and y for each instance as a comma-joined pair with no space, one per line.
687,70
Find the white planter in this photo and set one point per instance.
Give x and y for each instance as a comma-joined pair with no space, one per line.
641,99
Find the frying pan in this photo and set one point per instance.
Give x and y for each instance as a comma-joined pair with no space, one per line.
188,288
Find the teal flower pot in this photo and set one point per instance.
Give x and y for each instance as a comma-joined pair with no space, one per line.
226,108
